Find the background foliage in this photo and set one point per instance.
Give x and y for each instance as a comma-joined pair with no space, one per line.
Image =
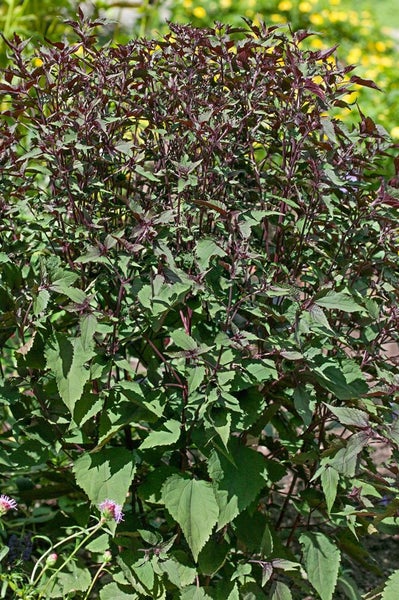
198,285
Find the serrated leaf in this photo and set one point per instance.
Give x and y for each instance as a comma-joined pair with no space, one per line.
195,377
194,593
183,340
66,359
76,578
144,173
261,370
105,474
193,505
340,301
75,294
40,302
280,591
88,327
221,422
348,586
266,545
345,460
237,481
115,591
151,537
180,575
163,438
205,249
322,559
391,587
329,482
144,572
349,416
346,380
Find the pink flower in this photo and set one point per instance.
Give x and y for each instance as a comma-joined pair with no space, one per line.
111,510
6,504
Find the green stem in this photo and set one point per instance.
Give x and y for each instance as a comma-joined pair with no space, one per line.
96,576
90,531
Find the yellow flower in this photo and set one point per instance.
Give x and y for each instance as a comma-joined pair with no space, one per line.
354,55
338,16
353,17
380,46
335,2
37,62
276,18
316,43
316,19
225,4
285,5
305,7
395,132
187,3
199,12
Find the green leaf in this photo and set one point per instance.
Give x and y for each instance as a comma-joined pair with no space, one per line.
76,578
62,286
345,460
105,474
350,416
183,340
212,557
163,438
40,302
266,545
205,249
329,482
88,327
391,587
66,359
193,505
251,591
220,420
116,591
348,587
144,173
150,489
144,572
194,593
346,380
180,575
340,301
280,591
304,403
237,481
195,376
322,559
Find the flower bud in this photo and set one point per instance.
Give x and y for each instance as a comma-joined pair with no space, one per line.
107,556
51,559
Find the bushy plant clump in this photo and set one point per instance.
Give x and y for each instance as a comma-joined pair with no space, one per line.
198,286
361,39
